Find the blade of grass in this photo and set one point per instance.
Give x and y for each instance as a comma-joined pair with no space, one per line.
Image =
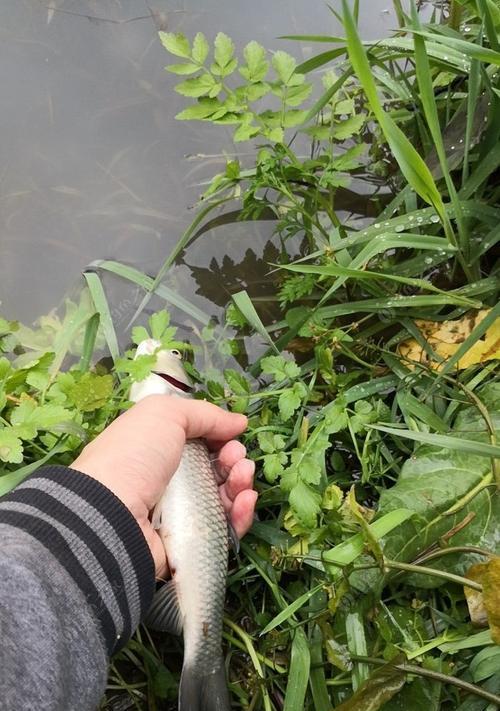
89,340
244,304
102,307
428,101
285,614
356,643
147,283
298,676
444,441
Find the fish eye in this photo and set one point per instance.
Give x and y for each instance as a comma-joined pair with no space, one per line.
176,353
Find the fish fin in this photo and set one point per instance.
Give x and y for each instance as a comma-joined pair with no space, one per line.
164,615
203,692
156,517
234,541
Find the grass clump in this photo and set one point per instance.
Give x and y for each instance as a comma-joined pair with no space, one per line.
373,401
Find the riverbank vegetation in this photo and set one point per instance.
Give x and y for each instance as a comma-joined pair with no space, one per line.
370,580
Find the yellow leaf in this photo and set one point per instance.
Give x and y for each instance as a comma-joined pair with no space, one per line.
484,607
445,337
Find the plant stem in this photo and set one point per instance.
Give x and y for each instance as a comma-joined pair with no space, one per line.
422,569
431,674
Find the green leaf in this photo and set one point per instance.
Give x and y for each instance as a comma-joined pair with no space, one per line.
182,69
139,333
177,44
284,65
257,65
11,447
200,48
203,109
280,368
350,127
274,465
91,392
270,442
158,323
245,132
305,503
290,400
224,49
381,686
298,675
203,85
139,368
237,382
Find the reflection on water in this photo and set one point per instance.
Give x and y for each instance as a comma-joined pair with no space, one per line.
93,164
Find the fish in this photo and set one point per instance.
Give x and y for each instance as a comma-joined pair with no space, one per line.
193,526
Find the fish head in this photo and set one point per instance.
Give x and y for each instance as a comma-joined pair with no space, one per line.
168,376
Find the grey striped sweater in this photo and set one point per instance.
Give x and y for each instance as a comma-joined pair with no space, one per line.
76,576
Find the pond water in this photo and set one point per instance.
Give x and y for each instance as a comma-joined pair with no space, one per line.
93,163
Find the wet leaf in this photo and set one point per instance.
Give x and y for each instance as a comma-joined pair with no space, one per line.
381,686
91,392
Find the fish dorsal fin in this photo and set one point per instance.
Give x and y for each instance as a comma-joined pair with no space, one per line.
164,615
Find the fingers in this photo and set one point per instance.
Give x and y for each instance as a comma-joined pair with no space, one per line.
242,511
229,454
240,478
197,417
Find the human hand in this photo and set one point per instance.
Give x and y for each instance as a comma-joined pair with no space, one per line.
137,454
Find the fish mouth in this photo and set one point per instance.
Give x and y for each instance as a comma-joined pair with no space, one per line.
176,383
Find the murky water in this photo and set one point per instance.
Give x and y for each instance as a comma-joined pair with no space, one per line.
94,165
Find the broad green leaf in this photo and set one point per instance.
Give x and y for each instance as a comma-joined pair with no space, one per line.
381,686
224,49
284,65
349,127
203,109
485,663
280,368
200,48
290,400
274,465
11,447
305,503
177,44
91,392
183,69
257,65
198,86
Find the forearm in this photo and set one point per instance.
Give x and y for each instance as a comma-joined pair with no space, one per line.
76,576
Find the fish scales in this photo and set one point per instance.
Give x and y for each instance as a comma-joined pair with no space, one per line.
194,530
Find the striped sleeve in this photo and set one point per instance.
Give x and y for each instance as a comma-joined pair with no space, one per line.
95,538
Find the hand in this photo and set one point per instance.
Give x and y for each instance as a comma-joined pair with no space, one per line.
137,454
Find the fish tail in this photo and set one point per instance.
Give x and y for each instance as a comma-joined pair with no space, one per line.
203,692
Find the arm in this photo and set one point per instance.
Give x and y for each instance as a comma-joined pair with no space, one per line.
76,576
78,554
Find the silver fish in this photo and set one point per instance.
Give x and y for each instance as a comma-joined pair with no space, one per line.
194,530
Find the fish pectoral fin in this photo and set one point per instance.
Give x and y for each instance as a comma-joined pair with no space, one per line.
234,541
164,615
